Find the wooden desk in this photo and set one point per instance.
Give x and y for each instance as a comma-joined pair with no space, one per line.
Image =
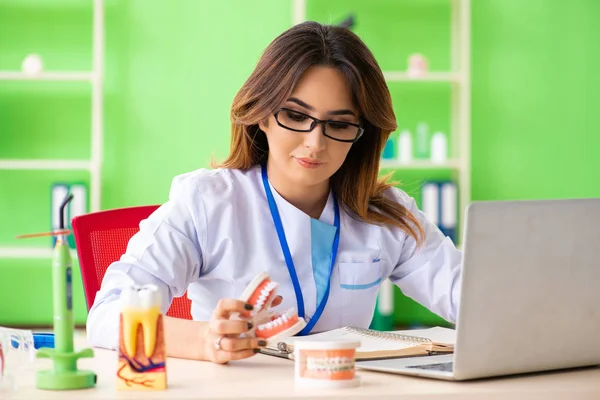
265,377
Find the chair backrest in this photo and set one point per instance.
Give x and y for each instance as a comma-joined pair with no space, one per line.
101,238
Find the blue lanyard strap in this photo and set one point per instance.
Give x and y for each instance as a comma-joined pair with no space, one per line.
288,256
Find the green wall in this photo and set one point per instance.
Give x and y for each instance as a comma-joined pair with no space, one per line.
536,95
173,67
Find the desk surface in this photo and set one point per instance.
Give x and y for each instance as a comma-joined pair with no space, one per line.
266,377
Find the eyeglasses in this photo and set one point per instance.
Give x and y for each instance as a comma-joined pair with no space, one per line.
336,130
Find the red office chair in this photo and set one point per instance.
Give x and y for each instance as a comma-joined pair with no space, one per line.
101,238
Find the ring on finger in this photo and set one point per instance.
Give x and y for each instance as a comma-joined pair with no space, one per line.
218,343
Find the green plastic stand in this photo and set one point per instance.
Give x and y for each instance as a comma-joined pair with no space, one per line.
65,375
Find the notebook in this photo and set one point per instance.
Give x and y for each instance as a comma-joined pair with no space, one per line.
378,344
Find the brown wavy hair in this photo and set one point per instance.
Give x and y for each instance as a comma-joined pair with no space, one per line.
356,183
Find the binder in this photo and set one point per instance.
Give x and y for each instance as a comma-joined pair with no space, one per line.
449,209
430,201
439,202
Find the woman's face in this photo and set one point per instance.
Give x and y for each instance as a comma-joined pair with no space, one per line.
310,158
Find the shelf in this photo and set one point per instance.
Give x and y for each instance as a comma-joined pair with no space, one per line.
419,164
72,76
399,76
30,252
42,164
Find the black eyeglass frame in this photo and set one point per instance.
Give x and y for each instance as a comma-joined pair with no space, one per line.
316,121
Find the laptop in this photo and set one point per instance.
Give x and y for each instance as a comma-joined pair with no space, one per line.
530,295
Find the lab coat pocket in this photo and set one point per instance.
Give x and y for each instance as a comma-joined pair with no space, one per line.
359,286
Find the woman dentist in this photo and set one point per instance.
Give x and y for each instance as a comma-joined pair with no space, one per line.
298,195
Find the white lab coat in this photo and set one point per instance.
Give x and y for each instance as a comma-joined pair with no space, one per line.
215,233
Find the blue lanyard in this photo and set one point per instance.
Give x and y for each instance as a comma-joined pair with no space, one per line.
288,257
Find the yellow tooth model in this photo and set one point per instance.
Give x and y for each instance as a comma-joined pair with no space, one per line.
142,355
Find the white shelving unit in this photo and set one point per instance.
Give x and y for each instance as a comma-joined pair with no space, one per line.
399,76
30,252
94,163
46,164
453,164
459,77
47,76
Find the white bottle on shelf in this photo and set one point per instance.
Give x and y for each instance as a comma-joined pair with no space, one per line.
439,148
405,147
422,140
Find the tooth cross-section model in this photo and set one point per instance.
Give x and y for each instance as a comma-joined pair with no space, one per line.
271,326
142,355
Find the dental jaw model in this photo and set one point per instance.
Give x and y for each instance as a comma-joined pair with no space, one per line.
142,355
273,327
325,364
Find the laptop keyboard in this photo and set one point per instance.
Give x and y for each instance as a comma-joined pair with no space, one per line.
447,366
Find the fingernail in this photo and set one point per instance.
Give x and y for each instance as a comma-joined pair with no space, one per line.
250,325
262,343
256,350
248,306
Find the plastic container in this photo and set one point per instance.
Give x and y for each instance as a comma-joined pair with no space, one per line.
405,147
40,340
325,363
418,65
388,150
17,353
439,148
422,140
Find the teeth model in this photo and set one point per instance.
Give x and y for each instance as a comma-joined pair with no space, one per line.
141,366
274,327
260,293
140,306
280,326
327,364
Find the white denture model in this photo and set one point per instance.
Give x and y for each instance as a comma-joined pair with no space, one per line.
271,326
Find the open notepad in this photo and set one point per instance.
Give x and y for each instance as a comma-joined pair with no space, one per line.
376,344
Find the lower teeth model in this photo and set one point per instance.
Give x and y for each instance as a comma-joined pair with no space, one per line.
273,327
336,367
279,327
325,363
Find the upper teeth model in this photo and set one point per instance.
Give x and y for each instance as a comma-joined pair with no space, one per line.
263,296
260,293
140,305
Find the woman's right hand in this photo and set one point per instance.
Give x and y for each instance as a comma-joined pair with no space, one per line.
222,341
